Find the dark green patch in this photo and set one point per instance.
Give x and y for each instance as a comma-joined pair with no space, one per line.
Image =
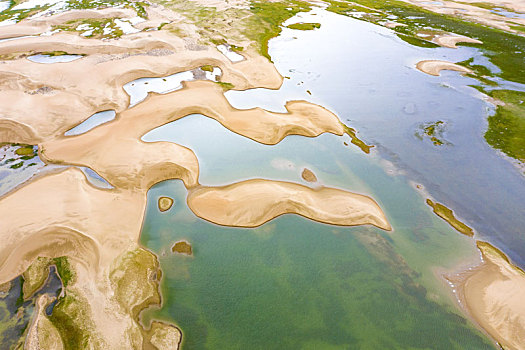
506,129
304,26
17,165
448,215
64,270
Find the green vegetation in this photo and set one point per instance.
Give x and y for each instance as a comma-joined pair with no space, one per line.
72,319
35,276
355,140
93,27
67,275
448,215
434,131
225,86
207,68
136,278
506,127
25,151
503,49
267,20
304,26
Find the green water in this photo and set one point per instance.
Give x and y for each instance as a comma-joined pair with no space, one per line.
297,284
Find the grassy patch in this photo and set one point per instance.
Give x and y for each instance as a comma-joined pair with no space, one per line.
355,140
35,276
304,26
267,20
448,215
225,86
207,68
506,128
67,275
505,50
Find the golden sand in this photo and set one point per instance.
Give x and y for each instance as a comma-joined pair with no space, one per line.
493,295
434,67
308,175
450,41
251,203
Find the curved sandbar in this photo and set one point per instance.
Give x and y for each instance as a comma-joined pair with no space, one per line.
251,203
434,67
493,295
450,41
170,160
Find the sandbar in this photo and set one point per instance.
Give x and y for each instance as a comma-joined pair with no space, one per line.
434,67
493,295
450,41
251,203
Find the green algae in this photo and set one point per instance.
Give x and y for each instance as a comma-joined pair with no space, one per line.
225,86
434,132
96,26
355,140
506,128
448,215
267,19
304,26
25,151
64,270
207,68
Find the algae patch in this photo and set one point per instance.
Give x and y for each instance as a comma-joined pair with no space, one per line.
182,247
448,215
434,131
355,140
304,26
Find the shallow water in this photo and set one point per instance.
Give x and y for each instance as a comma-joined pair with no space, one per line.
16,169
389,100
93,121
95,179
53,59
227,51
16,314
294,283
506,13
292,276
138,89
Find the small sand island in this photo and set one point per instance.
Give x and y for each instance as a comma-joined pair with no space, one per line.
308,175
434,67
182,247
165,203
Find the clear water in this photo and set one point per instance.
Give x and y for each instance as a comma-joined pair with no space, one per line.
138,89
95,120
298,284
53,59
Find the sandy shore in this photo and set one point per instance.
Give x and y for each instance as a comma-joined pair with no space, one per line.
434,67
493,295
251,203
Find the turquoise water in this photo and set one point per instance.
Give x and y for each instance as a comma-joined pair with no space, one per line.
294,283
297,284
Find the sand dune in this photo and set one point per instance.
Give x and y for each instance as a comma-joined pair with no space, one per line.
251,203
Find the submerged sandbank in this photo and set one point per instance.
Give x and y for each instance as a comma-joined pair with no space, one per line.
251,203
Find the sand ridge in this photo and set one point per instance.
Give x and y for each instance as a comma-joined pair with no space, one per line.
450,41
251,203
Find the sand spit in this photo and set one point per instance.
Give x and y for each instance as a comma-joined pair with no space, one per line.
448,215
169,160
450,41
251,203
493,295
434,67
64,96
